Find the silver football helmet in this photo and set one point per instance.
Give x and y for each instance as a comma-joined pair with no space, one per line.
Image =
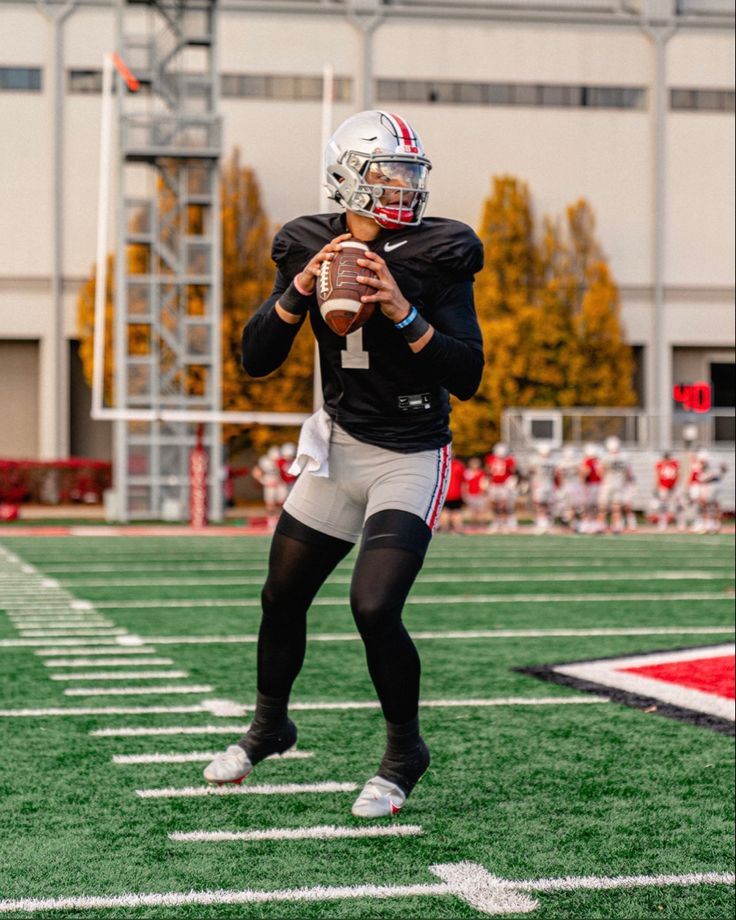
375,165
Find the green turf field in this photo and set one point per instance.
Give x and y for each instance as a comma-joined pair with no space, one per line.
531,782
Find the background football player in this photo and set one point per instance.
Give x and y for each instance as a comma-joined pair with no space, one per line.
501,469
666,473
475,492
542,470
382,436
616,489
569,492
591,473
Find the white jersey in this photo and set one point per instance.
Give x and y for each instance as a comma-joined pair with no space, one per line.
617,479
542,476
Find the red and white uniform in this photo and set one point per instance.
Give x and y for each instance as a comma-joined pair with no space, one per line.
591,474
502,474
475,488
288,479
667,473
454,496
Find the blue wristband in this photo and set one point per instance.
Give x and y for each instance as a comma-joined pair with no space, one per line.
409,318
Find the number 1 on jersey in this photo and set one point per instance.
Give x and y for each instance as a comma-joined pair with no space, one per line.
354,356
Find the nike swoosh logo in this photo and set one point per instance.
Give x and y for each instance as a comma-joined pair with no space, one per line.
379,535
389,247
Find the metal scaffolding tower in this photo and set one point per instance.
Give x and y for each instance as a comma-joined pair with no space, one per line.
168,256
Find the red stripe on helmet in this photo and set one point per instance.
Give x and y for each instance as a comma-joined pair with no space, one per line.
409,139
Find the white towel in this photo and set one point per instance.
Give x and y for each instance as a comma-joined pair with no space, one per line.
313,450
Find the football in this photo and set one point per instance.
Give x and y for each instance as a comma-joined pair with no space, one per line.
338,292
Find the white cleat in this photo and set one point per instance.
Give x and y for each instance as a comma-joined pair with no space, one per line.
230,766
380,798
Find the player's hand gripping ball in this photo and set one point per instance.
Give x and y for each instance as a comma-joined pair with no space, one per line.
338,292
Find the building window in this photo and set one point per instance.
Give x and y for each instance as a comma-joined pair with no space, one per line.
20,79
84,81
289,87
702,100
523,94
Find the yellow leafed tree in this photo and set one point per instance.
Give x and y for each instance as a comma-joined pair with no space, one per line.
550,316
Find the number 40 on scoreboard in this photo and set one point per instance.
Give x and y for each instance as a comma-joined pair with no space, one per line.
693,397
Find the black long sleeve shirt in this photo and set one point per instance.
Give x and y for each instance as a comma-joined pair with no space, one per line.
374,386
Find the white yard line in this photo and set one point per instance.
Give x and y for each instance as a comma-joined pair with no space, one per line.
137,691
122,675
654,575
65,633
145,732
75,575
104,662
470,882
61,641
194,757
112,646
465,634
188,792
321,832
93,650
454,599
56,711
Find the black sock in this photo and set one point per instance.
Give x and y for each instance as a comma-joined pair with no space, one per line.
406,757
271,731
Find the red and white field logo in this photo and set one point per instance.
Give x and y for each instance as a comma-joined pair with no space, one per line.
694,684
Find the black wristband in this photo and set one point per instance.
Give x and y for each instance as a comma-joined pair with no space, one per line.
412,327
293,302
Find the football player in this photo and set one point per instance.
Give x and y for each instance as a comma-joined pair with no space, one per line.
475,491
616,487
542,476
667,472
591,473
451,516
568,488
501,468
266,474
378,454
710,477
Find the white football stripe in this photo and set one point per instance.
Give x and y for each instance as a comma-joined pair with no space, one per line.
188,792
103,662
63,633
137,691
428,578
471,887
195,757
121,675
92,650
321,832
146,732
53,711
465,634
58,642
452,599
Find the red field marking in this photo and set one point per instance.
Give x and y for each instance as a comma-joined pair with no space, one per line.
710,675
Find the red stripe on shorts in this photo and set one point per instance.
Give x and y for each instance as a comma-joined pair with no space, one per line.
442,490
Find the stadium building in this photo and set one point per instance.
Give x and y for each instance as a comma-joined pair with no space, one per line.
628,103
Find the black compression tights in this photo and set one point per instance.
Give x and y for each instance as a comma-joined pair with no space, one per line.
382,579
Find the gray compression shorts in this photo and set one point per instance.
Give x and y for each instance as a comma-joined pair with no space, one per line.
365,479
